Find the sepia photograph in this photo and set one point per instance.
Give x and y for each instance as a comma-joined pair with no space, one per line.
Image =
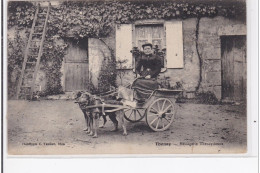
127,77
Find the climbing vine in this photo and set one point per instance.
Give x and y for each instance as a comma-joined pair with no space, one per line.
80,20
198,53
15,54
51,61
96,19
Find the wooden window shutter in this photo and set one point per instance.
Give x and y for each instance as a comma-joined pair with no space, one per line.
124,45
174,44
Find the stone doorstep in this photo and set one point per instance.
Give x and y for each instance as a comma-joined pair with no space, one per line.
231,102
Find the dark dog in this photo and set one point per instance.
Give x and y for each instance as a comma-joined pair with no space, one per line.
93,115
86,99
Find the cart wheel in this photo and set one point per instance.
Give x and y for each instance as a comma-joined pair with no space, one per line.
134,115
160,114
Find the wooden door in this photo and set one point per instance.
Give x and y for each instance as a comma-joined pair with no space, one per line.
76,67
233,52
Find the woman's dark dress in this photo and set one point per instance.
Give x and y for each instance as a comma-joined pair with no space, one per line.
146,65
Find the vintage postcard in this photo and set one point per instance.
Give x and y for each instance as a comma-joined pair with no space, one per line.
127,77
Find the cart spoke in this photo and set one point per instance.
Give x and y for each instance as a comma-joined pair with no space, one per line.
153,114
127,110
158,106
135,114
130,114
154,109
154,120
139,113
167,108
167,120
157,123
163,104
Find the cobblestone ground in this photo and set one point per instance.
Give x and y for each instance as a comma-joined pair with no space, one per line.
56,127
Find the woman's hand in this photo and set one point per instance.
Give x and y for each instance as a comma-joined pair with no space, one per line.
148,77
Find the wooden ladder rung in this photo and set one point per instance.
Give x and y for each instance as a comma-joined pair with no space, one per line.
30,62
39,26
29,70
35,40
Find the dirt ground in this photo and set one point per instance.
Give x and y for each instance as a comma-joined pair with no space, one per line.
56,127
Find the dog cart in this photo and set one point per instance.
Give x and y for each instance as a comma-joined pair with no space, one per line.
158,110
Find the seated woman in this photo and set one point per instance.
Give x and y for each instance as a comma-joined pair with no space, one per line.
148,66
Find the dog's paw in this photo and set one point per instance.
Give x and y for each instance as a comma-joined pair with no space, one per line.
125,134
86,129
91,134
94,136
101,126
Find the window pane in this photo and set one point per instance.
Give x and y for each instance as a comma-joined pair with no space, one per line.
140,43
157,32
157,42
149,33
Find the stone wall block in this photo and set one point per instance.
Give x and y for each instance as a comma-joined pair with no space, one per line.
212,66
213,78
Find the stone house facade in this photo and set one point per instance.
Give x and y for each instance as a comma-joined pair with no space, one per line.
221,47
202,55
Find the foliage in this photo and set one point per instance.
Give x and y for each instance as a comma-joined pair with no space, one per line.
107,76
20,13
95,19
15,54
51,61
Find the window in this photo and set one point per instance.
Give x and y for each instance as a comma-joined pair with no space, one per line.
149,34
164,34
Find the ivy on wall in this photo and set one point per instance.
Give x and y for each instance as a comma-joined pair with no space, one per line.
51,61
95,19
15,55
80,20
20,14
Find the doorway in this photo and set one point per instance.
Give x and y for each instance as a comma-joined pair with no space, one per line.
76,66
233,67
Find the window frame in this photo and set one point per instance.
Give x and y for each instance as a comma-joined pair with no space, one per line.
150,22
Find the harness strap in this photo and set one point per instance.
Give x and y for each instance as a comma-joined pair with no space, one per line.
103,108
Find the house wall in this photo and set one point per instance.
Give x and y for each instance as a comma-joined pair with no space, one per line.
210,48
210,30
40,83
99,51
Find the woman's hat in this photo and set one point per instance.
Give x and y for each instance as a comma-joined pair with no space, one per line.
147,44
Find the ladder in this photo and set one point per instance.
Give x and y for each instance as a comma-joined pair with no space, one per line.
33,53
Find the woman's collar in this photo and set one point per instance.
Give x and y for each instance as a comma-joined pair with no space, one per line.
149,55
